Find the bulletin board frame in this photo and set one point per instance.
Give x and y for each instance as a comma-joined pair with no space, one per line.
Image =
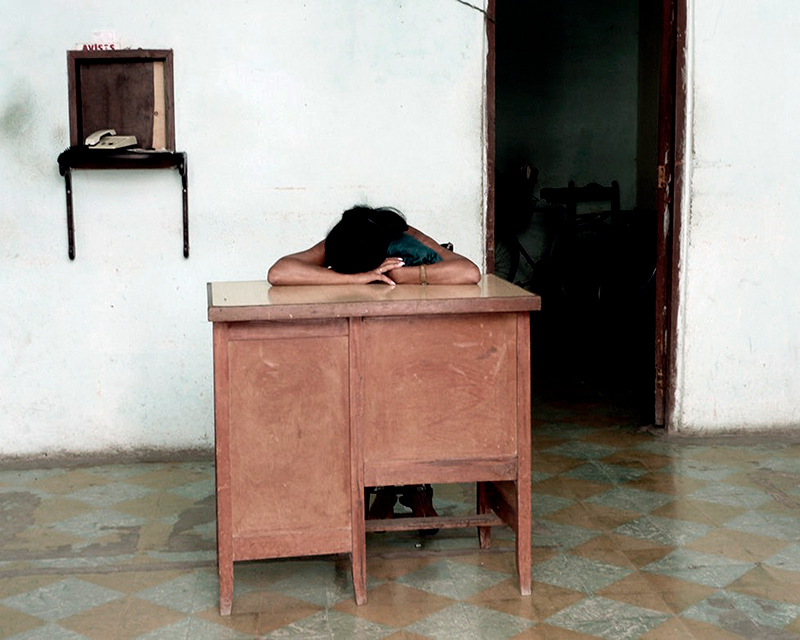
130,91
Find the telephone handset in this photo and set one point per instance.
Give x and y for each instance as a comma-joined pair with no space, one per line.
108,139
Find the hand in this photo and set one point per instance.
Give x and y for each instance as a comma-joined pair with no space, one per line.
379,274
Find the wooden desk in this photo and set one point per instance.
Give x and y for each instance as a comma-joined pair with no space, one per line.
320,391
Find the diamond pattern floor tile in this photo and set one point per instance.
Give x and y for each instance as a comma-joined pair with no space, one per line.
332,624
121,619
667,531
564,536
702,568
462,620
604,618
788,559
191,592
631,499
602,472
748,616
577,573
582,450
453,579
61,599
51,631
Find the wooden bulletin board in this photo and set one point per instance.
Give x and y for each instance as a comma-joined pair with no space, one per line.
130,91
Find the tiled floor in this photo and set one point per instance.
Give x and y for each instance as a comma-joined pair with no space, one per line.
635,536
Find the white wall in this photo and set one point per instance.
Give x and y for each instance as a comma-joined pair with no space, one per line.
739,325
290,112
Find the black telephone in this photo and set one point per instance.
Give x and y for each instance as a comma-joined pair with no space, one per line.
108,139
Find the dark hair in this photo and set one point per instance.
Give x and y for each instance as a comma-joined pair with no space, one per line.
358,242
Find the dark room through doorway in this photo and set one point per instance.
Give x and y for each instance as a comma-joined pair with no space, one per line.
576,102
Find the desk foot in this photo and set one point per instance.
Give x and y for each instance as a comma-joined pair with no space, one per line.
512,505
523,546
359,577
225,588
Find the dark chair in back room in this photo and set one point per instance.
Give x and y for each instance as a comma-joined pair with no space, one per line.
571,196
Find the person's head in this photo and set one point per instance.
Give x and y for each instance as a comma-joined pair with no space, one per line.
358,242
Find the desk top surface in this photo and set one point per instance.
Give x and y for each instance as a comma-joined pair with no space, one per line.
257,300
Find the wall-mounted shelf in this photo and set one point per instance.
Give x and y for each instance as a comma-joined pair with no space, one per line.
83,158
130,91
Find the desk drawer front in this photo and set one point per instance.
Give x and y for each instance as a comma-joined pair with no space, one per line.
440,387
289,435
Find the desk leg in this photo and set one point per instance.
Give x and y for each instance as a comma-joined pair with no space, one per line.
357,507
223,468
523,484
484,506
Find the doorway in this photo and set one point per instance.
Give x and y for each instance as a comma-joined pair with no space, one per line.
577,90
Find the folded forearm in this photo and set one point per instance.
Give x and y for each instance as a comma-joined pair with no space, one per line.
455,271
290,271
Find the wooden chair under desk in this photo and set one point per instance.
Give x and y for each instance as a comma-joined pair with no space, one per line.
321,391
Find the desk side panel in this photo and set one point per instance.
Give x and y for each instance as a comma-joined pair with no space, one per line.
289,431
438,389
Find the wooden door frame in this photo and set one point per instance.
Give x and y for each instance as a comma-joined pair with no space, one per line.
490,133
671,188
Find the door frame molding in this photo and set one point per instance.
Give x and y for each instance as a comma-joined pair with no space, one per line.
681,186
490,133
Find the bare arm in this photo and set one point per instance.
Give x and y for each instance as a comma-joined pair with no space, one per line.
308,267
452,269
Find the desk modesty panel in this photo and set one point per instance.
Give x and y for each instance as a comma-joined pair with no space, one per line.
320,391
